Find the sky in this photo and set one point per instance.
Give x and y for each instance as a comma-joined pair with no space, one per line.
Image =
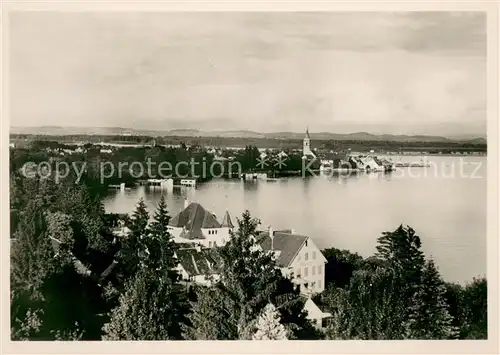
380,72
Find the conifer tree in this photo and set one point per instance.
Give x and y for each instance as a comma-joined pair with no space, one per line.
429,317
249,280
154,306
133,248
160,244
401,250
269,326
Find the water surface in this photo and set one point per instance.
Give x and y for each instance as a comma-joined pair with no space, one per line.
445,204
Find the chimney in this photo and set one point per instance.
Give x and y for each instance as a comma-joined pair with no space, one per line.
271,235
186,202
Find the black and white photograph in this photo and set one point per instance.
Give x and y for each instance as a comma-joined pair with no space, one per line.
248,175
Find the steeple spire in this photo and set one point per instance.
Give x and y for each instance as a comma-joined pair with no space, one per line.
307,132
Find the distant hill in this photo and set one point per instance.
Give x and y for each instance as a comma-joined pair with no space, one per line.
360,136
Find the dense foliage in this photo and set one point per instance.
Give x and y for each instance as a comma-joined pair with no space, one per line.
72,278
397,294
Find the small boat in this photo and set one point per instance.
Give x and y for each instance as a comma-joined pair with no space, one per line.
272,179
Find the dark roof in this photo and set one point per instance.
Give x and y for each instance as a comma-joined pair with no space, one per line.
197,262
226,221
307,133
288,244
193,217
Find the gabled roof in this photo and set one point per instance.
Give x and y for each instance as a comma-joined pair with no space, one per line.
196,262
193,218
289,245
226,221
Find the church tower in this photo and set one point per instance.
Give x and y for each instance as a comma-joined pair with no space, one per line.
306,146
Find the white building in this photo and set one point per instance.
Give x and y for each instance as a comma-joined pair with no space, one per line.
197,265
299,259
194,224
315,314
370,164
306,147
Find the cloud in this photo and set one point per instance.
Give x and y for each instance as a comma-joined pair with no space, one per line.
250,70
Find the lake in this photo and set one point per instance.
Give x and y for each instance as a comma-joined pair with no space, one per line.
445,204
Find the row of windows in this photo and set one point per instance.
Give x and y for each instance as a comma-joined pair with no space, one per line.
314,269
212,244
312,285
306,256
212,231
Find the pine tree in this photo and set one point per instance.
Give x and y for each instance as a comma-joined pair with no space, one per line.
429,317
401,250
160,244
133,249
249,280
269,326
154,306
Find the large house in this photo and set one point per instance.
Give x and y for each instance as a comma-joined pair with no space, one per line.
194,224
197,264
298,257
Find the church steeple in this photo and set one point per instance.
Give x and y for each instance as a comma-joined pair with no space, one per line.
306,145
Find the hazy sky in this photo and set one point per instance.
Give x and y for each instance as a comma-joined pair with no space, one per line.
257,71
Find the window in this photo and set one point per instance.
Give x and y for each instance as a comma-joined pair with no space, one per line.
297,272
306,256
320,269
209,244
215,244
314,254
313,270
216,232
305,271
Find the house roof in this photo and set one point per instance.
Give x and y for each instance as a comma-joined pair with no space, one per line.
226,221
193,218
287,243
196,262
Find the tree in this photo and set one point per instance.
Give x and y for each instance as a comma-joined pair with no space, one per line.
249,280
369,308
133,248
401,250
475,307
210,317
159,242
146,311
154,306
429,317
269,326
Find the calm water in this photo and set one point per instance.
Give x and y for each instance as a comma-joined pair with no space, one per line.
445,204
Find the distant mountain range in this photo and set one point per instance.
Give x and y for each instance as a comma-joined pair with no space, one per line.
362,136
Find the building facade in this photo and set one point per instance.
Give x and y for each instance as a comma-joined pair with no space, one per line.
298,257
194,224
